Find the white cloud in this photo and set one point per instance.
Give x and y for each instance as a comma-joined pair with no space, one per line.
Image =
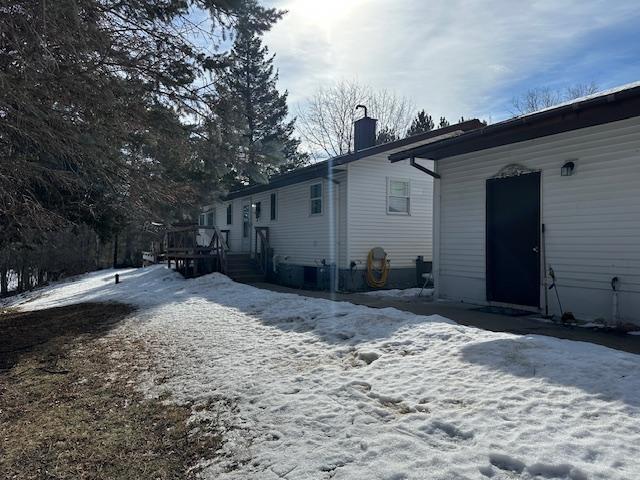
452,57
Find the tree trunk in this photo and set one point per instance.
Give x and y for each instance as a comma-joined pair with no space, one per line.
128,249
21,280
3,281
115,251
98,263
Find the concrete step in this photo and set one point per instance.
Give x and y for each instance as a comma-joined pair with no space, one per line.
239,263
239,260
246,278
231,272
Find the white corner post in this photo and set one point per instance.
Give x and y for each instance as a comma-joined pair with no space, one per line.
435,234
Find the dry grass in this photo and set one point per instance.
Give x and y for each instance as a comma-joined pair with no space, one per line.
69,409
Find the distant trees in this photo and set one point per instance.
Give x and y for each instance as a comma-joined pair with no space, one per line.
103,113
544,97
421,123
424,123
443,122
325,122
90,90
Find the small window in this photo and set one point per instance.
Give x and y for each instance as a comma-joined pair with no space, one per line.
315,193
258,210
274,208
211,218
398,196
202,220
230,214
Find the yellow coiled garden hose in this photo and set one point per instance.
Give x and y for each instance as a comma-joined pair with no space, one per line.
382,273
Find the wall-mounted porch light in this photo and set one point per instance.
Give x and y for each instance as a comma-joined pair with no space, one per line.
567,169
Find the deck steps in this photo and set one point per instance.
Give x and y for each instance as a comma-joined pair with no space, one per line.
240,268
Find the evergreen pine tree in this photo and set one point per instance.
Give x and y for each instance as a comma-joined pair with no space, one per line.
386,135
422,123
443,122
253,111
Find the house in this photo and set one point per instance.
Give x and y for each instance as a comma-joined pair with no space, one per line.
558,190
318,224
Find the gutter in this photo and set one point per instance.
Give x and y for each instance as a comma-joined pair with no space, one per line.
423,169
529,119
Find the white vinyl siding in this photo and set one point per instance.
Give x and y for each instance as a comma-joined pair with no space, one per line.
404,237
592,218
295,236
304,239
354,216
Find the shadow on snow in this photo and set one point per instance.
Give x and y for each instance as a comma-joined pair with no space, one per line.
608,374
593,369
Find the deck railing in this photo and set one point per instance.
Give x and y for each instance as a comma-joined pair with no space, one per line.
219,244
182,247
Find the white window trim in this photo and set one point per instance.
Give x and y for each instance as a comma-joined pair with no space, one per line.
404,180
321,197
277,206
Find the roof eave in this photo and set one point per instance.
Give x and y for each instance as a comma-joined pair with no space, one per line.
436,150
324,168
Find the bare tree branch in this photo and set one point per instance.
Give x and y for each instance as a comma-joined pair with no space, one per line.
325,121
544,97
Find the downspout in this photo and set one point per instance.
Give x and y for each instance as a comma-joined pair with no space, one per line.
347,223
435,235
424,169
336,273
334,194
435,227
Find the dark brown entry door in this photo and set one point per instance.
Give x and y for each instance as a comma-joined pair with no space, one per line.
513,239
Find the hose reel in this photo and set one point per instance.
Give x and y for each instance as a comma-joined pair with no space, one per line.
377,268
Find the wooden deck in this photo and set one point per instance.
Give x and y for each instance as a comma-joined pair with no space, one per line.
189,257
184,252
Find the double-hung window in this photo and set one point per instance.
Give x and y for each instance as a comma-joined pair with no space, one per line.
398,196
315,197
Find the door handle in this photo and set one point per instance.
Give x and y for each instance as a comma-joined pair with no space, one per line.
536,249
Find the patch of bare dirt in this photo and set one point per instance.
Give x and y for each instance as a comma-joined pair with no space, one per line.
69,408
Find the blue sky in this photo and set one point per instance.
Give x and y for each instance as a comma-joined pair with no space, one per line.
456,57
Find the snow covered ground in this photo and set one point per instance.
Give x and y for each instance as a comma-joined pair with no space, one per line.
311,389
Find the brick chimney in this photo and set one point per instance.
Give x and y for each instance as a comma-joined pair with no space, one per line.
364,131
